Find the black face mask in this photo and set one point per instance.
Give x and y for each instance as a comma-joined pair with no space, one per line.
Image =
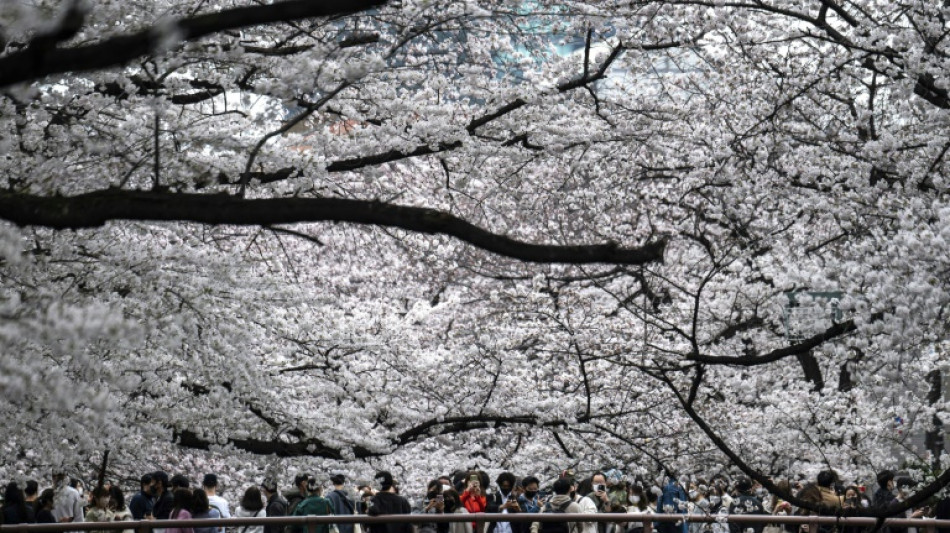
530,494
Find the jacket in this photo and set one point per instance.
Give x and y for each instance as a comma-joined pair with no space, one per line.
314,506
389,503
241,512
342,506
746,504
557,502
276,506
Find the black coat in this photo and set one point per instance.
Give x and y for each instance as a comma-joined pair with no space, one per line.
16,514
389,503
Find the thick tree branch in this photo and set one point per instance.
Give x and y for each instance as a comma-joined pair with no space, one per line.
803,347
96,208
311,447
35,62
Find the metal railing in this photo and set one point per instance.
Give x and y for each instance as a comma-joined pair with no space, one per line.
310,523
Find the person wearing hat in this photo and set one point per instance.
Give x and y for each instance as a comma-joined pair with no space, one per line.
313,505
210,485
276,504
745,502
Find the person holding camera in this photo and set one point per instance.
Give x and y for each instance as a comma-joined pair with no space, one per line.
505,501
473,498
433,503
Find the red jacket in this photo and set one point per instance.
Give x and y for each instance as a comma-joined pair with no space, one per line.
472,503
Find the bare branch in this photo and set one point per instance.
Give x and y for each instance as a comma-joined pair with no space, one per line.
96,208
35,62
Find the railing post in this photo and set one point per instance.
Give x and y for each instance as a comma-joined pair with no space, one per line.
144,526
311,525
480,525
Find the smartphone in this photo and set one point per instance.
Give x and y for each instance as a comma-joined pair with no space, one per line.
600,488
473,478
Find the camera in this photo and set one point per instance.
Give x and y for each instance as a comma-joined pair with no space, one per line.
600,488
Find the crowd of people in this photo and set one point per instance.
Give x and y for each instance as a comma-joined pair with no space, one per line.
161,497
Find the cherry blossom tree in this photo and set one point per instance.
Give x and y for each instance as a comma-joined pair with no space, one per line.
413,235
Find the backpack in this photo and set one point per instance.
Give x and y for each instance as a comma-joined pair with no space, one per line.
556,527
345,506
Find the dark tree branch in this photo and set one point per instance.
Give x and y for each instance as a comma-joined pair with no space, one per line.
799,349
311,447
96,208
37,61
898,507
478,122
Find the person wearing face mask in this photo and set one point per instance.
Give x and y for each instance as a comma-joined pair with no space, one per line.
452,505
698,505
100,512
636,504
530,499
504,501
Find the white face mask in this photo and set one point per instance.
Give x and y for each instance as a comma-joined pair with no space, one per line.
714,500
692,494
634,499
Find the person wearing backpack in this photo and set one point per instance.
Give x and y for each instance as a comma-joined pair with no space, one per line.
342,503
276,505
561,502
314,505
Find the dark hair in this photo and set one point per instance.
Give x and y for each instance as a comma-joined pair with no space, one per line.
210,481
506,476
182,501
454,494
595,474
179,481
743,484
301,478
31,488
338,479
904,482
13,496
162,478
884,477
385,479
826,478
434,486
252,500
529,480
75,482
562,486
199,502
99,492
146,479
118,498
46,498
585,486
